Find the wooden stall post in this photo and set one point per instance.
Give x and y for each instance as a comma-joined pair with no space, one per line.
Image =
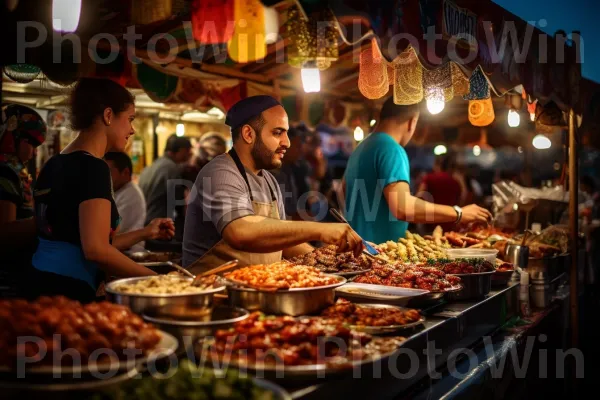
574,226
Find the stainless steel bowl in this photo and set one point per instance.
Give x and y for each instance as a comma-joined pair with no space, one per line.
189,323
294,302
475,286
138,303
517,255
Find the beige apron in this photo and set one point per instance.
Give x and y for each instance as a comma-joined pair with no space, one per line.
221,252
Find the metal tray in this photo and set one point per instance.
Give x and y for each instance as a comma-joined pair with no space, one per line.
294,302
475,286
381,330
167,346
138,303
188,323
298,372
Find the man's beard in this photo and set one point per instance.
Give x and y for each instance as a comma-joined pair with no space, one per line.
263,157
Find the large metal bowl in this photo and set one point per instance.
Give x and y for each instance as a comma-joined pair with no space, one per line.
188,323
294,302
138,303
475,286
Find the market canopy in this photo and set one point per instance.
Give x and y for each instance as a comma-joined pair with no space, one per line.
469,36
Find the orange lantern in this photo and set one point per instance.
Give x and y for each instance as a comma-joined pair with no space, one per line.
248,42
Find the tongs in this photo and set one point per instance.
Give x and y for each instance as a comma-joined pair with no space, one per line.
223,267
369,250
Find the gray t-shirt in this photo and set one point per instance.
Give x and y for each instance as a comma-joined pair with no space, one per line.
154,184
219,197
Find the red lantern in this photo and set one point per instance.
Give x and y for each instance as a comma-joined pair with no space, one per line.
212,20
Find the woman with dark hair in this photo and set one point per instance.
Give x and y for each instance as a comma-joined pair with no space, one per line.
77,218
21,131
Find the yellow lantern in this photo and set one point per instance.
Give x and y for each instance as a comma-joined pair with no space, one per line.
481,112
408,78
249,37
373,80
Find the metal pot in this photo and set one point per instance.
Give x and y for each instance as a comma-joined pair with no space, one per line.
189,323
517,255
294,302
138,303
475,286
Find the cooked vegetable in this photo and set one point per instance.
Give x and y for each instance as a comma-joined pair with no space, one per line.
191,383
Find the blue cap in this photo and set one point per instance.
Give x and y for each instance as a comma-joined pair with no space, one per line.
248,108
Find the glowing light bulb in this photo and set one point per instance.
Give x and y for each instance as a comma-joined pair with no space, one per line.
311,80
435,106
372,123
180,130
359,134
65,15
514,119
476,151
541,142
440,149
532,116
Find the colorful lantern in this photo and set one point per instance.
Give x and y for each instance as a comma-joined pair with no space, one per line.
212,20
481,109
373,80
248,41
312,41
408,78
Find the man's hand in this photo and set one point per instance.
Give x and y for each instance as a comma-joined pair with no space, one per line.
343,236
160,228
474,213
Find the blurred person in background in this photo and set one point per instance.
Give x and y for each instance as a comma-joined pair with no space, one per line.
293,176
159,181
128,196
21,131
441,187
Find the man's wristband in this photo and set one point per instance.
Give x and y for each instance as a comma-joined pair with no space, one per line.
458,214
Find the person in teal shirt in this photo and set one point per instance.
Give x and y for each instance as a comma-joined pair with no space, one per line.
379,204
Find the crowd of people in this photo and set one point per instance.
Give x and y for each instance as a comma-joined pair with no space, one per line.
266,198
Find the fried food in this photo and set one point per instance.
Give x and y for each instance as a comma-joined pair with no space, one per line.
355,314
281,276
58,324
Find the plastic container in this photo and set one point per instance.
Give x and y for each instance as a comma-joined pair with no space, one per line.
489,254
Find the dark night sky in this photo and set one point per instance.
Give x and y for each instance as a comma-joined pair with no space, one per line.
569,15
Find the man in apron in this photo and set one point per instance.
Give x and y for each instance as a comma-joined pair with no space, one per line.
236,209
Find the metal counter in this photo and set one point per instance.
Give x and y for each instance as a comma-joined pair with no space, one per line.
449,328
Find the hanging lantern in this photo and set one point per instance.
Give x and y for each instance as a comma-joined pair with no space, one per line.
271,25
148,11
437,87
481,109
248,41
408,78
481,112
460,82
373,80
314,40
212,20
22,73
158,86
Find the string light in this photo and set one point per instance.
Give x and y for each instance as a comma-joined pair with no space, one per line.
476,151
311,80
514,119
440,149
541,142
359,134
65,15
180,130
